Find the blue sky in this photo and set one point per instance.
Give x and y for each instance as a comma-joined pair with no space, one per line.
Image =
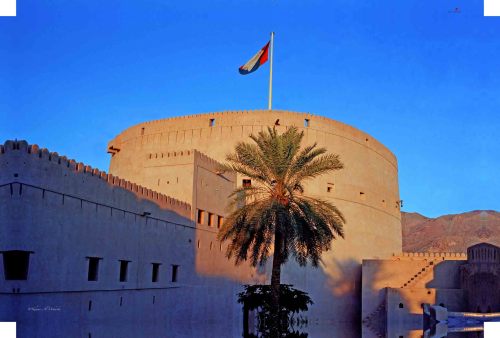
423,81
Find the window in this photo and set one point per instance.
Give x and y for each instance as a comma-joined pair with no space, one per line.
175,272
16,264
93,272
210,219
247,183
306,123
220,221
400,305
329,187
201,215
123,270
142,131
156,272
212,123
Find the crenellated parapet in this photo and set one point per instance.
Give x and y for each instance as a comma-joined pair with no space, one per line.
207,160
433,255
230,123
79,168
172,155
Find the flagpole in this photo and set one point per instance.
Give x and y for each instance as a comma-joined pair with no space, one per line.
270,104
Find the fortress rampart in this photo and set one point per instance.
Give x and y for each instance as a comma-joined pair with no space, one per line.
155,154
369,178
60,215
22,148
226,123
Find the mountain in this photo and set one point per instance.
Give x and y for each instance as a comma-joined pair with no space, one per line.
449,233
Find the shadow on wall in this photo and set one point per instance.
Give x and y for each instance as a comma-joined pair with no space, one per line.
335,288
446,284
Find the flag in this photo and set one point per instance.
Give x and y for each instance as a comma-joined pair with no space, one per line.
256,61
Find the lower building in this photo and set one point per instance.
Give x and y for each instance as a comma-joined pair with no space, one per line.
395,290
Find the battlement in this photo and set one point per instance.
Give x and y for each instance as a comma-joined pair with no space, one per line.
34,150
435,255
225,123
185,154
206,159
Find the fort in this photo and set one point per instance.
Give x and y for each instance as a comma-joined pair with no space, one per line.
138,244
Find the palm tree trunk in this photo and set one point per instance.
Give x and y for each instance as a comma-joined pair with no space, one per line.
275,283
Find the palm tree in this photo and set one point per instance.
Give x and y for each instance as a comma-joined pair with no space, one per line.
273,215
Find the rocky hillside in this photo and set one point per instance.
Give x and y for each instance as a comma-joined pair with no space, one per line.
450,233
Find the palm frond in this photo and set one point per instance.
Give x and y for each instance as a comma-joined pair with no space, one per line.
276,201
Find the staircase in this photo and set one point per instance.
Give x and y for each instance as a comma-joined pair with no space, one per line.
419,275
376,321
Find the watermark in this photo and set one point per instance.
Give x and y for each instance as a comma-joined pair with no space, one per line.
492,330
7,7
8,329
38,308
491,7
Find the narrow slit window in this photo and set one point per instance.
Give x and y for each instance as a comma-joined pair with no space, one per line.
210,219
175,273
16,264
123,270
142,131
201,215
93,271
220,221
212,123
329,187
155,273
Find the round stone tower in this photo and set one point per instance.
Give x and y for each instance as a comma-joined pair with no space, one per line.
366,190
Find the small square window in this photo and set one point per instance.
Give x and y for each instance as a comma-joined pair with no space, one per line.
212,122
93,272
156,272
247,183
123,270
16,264
210,219
201,216
175,273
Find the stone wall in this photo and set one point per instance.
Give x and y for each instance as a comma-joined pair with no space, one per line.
65,213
